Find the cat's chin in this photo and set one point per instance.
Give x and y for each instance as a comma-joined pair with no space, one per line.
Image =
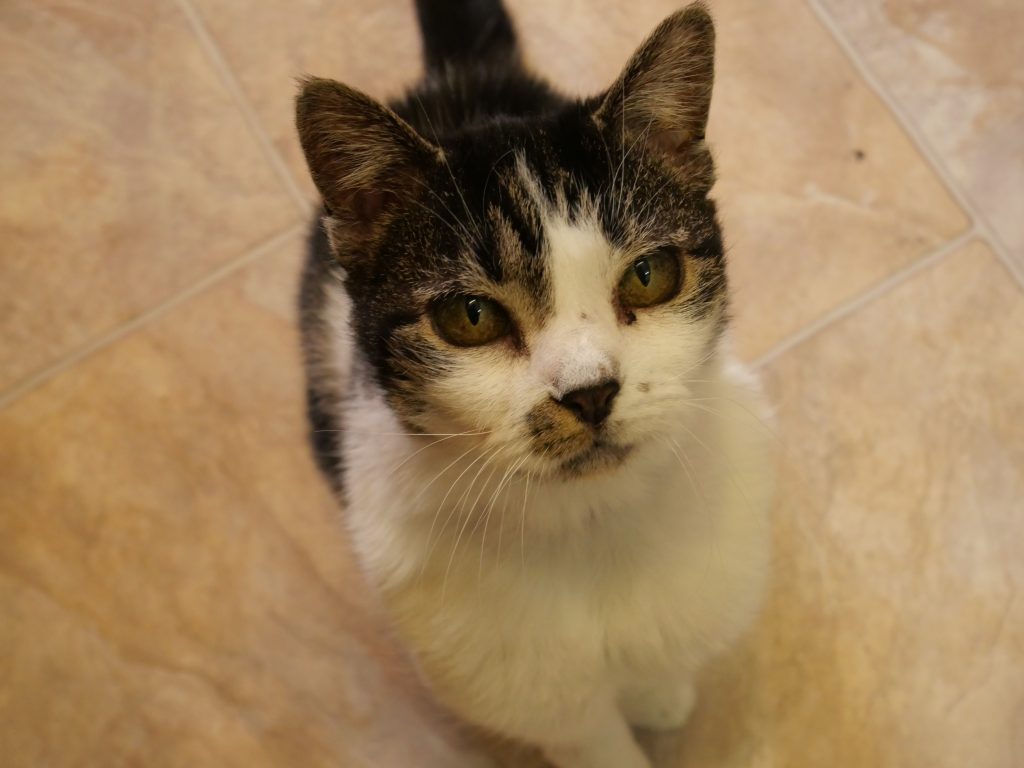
599,458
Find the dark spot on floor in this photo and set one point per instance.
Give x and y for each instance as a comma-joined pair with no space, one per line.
644,386
858,155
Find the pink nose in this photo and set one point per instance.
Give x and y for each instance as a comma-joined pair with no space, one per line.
591,404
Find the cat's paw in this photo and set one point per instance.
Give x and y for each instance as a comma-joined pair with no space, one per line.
661,708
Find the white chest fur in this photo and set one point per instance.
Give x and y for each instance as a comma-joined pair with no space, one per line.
523,613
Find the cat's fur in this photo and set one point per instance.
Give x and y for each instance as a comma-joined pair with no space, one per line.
555,582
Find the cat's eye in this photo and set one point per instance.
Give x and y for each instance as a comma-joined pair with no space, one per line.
469,321
653,279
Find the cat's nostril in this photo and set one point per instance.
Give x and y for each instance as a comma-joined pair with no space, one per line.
591,404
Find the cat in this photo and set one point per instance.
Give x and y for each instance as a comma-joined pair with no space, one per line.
521,385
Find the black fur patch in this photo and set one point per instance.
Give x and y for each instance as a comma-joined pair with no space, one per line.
324,428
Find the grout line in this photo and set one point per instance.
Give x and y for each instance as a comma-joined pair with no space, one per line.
235,90
931,156
97,344
852,305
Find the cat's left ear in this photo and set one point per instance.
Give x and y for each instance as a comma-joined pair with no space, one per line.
664,94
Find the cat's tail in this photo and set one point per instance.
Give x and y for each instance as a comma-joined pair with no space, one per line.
463,34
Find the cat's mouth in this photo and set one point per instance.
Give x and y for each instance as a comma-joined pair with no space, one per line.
600,456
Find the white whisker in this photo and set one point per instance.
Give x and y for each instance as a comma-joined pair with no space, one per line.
506,478
468,517
437,513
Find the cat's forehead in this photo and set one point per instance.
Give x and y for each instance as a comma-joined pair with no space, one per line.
559,155
511,203
508,200
536,211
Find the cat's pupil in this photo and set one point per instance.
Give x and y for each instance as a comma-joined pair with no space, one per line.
473,310
643,271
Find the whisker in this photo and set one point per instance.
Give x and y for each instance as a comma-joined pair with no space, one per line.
704,359
677,450
487,181
624,199
507,477
707,511
622,142
417,452
451,174
426,487
501,529
474,509
465,234
430,546
437,512
717,459
464,497
738,403
758,421
522,522
465,523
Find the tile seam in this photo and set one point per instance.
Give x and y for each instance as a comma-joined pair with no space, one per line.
230,82
104,340
851,306
931,156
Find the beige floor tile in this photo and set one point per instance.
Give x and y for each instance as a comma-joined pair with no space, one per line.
822,193
128,172
894,634
174,582
958,70
373,45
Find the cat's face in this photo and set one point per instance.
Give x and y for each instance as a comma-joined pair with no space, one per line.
549,284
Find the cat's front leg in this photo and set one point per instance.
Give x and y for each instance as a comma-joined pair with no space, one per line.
661,706
604,741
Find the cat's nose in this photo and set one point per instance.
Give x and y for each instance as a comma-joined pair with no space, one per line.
591,404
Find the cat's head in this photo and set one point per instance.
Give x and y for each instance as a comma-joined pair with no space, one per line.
550,282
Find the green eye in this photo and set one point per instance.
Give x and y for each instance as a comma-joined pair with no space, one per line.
469,321
651,280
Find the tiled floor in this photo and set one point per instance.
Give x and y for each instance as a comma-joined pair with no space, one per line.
175,589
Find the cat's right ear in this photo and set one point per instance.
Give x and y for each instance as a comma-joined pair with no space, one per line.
363,158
